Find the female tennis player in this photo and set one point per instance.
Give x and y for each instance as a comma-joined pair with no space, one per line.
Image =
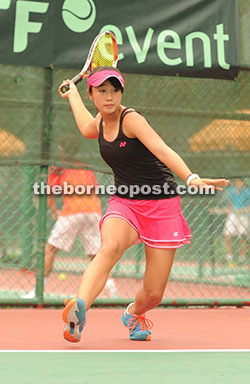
146,206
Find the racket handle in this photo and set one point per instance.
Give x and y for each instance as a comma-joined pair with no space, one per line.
75,80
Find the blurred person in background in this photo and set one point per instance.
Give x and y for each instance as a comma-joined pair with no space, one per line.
80,215
237,223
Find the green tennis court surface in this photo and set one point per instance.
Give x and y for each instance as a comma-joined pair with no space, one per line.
125,367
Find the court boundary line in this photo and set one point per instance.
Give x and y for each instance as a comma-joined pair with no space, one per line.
124,350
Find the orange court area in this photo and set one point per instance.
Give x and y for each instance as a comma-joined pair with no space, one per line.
173,329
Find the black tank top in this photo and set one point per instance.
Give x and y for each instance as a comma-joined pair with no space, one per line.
134,165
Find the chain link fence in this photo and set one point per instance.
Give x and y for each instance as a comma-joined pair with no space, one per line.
206,121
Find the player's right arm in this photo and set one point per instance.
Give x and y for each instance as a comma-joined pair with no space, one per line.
84,119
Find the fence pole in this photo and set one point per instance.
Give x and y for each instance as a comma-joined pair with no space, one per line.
28,212
41,238
42,210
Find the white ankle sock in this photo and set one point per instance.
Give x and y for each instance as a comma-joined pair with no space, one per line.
129,308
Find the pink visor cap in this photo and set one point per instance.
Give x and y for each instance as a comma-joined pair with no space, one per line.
99,77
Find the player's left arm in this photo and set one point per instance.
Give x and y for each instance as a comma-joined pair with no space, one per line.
136,125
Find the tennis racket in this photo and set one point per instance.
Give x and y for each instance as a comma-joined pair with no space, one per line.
103,51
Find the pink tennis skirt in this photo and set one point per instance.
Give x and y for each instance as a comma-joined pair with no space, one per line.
159,223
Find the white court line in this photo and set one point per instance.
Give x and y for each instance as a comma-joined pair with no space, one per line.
125,350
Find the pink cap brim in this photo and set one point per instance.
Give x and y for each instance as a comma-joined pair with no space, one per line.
99,77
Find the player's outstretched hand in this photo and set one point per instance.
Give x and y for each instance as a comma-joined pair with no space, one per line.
217,183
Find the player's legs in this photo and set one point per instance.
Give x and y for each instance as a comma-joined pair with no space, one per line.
158,267
90,236
116,236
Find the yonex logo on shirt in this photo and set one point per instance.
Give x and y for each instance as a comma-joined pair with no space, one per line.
122,144
175,233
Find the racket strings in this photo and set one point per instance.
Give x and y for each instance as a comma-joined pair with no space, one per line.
105,53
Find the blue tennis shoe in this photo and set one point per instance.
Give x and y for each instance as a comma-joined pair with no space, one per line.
74,316
138,325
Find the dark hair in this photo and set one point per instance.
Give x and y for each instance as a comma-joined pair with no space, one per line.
113,80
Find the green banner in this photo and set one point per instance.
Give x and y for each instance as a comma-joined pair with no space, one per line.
194,38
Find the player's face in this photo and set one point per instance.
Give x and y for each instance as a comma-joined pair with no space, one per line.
106,97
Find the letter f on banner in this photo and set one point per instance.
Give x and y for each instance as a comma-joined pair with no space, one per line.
5,4
22,24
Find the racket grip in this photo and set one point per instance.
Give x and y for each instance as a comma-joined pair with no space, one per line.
75,80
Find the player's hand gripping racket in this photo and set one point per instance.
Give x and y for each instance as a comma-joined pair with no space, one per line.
103,51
